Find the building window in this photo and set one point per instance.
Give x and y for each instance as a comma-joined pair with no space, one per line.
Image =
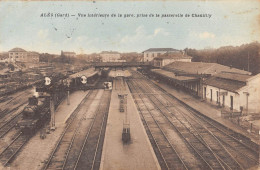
217,96
205,92
223,104
210,94
231,102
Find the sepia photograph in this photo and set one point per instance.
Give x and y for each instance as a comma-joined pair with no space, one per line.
130,85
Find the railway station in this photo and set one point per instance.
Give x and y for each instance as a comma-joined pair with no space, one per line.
129,85
125,115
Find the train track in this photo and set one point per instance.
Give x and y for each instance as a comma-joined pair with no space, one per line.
8,123
90,154
217,157
82,135
9,153
119,84
14,104
224,150
19,95
7,111
240,147
170,158
56,158
6,126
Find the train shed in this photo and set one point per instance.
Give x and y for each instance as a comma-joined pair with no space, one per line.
88,73
189,76
189,83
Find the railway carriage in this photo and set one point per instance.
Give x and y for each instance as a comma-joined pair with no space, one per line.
83,80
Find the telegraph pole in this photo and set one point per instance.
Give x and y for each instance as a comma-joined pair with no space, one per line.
52,110
248,61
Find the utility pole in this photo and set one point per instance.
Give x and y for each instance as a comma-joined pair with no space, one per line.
52,110
68,91
248,61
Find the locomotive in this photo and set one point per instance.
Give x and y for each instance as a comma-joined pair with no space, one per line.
37,112
34,115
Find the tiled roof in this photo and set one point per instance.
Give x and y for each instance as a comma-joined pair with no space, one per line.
225,84
160,49
233,76
89,72
202,68
175,55
172,75
17,50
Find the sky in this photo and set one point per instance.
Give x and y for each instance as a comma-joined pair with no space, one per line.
231,23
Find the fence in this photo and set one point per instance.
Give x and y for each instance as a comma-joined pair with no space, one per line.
235,117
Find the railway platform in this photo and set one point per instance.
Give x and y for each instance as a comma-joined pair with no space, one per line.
64,110
138,154
207,110
37,150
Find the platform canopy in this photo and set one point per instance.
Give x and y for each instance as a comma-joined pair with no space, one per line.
88,73
174,77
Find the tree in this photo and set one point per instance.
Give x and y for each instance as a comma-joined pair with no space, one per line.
11,67
241,57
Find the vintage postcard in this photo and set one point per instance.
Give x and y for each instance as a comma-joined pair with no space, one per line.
129,85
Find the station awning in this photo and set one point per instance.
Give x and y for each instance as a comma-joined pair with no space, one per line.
174,77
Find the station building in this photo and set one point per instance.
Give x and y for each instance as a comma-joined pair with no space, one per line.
221,85
151,53
233,90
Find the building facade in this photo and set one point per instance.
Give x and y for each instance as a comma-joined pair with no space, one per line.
234,91
151,53
168,58
110,56
17,54
20,55
33,57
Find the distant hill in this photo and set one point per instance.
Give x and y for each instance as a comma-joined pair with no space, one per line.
238,57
